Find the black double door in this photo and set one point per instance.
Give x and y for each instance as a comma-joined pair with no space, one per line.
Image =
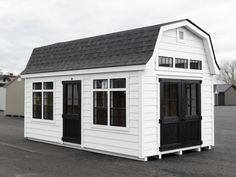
72,111
180,120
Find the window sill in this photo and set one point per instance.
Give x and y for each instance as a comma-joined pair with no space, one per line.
110,128
43,121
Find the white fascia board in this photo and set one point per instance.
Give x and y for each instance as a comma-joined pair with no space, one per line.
206,41
87,71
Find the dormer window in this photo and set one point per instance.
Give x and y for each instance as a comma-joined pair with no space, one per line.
181,35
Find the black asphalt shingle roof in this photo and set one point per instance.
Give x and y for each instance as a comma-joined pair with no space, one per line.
131,47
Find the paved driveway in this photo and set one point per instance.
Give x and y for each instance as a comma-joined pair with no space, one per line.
23,158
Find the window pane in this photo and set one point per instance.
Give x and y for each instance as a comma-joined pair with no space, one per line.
100,108
37,86
37,105
165,61
75,99
170,99
118,108
48,85
181,63
195,64
48,105
181,35
191,99
100,84
117,83
69,101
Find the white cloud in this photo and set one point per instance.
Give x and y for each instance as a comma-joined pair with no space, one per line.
27,24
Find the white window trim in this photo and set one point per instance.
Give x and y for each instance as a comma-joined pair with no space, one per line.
109,127
178,37
42,90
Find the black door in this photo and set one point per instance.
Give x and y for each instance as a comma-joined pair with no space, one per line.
72,111
180,113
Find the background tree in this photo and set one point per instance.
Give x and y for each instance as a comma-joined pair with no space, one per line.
227,72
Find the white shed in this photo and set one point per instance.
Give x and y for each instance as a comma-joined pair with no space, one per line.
135,94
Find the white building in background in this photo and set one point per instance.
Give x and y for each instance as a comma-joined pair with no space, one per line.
4,79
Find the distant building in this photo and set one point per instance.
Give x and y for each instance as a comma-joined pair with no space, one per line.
14,91
225,95
4,79
2,100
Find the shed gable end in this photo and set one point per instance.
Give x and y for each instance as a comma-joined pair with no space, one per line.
195,42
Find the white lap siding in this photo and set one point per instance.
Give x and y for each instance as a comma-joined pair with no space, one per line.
122,140
45,130
193,48
114,139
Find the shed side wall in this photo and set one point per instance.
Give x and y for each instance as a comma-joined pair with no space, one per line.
112,139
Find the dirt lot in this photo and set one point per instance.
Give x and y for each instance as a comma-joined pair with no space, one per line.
23,158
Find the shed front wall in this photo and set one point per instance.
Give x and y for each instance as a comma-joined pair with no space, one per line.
193,48
121,140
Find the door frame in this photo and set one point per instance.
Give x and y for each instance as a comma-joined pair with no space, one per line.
81,109
180,83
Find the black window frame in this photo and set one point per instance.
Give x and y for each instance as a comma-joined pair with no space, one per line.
181,96
44,115
177,60
164,61
192,62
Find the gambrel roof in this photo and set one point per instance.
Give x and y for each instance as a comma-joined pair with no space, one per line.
126,48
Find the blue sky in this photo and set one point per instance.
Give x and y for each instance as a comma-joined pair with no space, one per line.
26,24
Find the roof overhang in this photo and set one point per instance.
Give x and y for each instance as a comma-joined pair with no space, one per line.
87,71
210,54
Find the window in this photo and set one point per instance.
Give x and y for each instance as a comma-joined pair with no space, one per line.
37,105
37,86
170,105
165,61
72,99
109,104
48,105
181,35
191,101
117,83
43,100
100,84
195,64
181,63
100,108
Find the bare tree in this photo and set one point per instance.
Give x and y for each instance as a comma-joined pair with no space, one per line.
228,72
